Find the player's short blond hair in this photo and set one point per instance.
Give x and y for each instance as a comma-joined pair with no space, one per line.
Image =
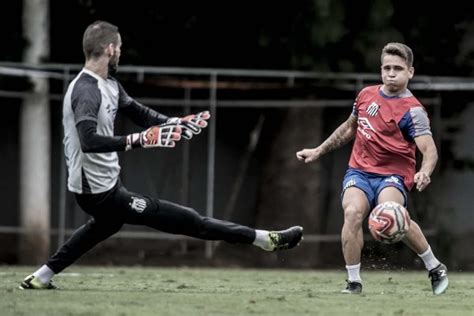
398,49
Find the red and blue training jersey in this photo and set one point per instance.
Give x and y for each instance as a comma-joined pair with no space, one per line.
386,131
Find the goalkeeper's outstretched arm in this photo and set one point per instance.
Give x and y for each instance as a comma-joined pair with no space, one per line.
146,117
165,135
140,114
341,136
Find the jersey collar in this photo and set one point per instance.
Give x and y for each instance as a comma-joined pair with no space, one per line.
405,94
93,74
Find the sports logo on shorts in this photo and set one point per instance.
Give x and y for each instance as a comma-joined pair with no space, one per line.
373,109
392,179
350,183
138,204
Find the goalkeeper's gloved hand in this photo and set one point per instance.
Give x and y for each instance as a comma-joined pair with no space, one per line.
164,135
191,124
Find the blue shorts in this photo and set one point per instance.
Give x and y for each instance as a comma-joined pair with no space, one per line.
372,184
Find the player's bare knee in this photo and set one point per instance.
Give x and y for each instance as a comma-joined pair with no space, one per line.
353,216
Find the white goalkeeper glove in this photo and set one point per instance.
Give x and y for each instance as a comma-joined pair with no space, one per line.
191,124
165,135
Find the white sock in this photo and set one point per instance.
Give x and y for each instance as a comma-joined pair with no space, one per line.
429,259
353,273
262,240
44,274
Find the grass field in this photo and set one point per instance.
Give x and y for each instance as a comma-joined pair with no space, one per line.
193,291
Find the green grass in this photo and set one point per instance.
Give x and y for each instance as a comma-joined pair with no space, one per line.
193,291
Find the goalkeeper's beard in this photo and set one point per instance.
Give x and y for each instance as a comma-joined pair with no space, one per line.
113,69
113,65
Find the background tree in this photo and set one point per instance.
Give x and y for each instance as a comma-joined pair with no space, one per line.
35,140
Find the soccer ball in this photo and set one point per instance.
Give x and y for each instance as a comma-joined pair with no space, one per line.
389,222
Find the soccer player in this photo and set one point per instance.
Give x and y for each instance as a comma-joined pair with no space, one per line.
388,124
90,105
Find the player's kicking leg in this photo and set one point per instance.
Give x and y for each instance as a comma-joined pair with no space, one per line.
437,271
173,218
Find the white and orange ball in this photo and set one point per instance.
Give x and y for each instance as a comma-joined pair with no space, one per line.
389,222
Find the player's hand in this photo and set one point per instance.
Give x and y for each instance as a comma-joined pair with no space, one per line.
308,155
165,135
191,124
421,179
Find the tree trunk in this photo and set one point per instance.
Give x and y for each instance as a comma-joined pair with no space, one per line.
290,190
35,138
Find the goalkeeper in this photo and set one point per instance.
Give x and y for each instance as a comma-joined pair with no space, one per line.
90,105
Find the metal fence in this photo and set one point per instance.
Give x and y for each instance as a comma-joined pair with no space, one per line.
297,85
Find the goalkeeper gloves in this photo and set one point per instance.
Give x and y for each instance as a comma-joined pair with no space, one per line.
164,135
191,124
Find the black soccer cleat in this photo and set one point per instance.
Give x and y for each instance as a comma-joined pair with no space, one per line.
352,288
33,283
439,279
286,239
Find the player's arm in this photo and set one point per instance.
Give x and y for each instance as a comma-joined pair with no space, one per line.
144,116
91,142
415,127
86,102
427,147
341,136
164,135
140,114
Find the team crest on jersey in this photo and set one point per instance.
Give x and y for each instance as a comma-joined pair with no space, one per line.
373,109
138,204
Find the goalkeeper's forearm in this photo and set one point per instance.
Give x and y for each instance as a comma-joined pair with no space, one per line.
142,115
91,142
